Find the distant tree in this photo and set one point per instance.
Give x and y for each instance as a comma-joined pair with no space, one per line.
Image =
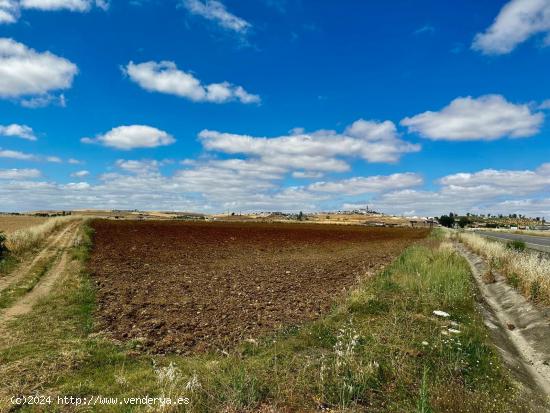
301,216
447,220
463,221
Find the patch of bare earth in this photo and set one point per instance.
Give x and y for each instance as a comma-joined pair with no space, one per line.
188,287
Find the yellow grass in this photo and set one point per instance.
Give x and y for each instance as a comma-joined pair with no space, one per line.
526,270
11,223
22,240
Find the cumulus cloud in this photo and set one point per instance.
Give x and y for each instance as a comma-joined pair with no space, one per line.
80,174
24,71
485,191
318,151
504,181
488,117
371,184
306,174
252,185
18,131
9,11
77,186
72,5
19,173
211,184
133,136
517,21
216,12
165,77
6,153
23,156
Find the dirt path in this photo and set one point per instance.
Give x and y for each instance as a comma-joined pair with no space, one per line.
59,245
520,330
49,250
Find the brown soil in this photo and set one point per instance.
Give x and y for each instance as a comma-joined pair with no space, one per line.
187,287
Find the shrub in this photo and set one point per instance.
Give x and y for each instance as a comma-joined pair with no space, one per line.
516,245
446,221
3,247
463,221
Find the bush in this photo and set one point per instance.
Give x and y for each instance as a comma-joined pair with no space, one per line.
516,245
463,221
3,248
446,220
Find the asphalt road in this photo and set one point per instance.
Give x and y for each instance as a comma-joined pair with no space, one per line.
531,239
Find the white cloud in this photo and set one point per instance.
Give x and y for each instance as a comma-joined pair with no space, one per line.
485,191
18,131
370,184
165,77
54,159
9,11
80,174
133,136
19,173
488,117
517,21
318,151
42,101
250,184
73,161
216,11
24,72
6,153
138,167
507,181
545,105
22,156
71,5
306,174
78,186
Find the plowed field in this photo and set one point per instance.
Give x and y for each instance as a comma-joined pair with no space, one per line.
187,287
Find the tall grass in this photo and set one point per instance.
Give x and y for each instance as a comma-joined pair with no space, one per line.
527,271
23,240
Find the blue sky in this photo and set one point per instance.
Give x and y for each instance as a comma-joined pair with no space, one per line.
414,108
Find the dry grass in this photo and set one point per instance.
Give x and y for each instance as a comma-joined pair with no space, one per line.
22,240
12,223
533,233
529,272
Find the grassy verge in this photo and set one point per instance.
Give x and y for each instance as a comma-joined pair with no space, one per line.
525,270
9,295
7,264
381,349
